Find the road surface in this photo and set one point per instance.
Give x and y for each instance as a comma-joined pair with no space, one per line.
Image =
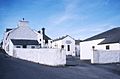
12,68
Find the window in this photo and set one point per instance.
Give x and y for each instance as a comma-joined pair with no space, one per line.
107,47
51,41
93,47
40,45
40,39
17,46
68,47
62,46
24,46
32,46
46,41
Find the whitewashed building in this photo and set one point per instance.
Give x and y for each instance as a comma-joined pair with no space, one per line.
67,43
24,34
24,43
103,42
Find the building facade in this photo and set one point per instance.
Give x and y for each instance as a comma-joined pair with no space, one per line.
106,41
24,37
66,43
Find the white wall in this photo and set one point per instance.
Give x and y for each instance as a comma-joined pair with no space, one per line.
86,50
63,42
72,45
106,56
113,46
47,56
10,48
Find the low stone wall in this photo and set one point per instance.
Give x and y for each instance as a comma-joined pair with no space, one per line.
106,56
53,57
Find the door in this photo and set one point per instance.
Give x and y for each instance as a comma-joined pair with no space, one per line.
68,48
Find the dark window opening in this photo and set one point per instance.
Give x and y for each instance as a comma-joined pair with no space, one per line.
40,39
107,47
62,46
40,45
51,41
46,41
32,46
17,46
93,47
24,46
68,47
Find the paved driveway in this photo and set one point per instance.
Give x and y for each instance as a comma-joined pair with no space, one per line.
12,68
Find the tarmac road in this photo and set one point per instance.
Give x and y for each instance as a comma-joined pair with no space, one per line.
12,68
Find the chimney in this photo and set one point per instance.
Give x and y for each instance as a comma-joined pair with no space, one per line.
43,31
23,23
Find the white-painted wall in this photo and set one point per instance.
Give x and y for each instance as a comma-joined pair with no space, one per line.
86,50
53,57
39,38
113,46
11,46
57,44
106,56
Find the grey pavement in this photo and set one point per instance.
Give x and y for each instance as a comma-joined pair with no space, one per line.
12,68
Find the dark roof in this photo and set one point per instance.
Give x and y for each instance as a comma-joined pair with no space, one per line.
110,36
8,29
61,38
45,37
77,42
24,42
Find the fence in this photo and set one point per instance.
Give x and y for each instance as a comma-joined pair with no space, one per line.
106,56
45,56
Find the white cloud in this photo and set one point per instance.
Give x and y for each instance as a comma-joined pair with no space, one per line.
67,14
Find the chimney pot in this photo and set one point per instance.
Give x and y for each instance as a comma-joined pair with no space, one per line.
43,31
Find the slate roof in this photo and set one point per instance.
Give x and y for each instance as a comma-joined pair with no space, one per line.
62,38
8,29
77,42
110,36
45,37
24,42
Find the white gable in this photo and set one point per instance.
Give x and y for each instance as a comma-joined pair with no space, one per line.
23,33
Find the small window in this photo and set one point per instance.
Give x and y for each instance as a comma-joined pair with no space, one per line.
68,47
107,47
17,46
32,46
24,46
51,41
40,45
62,46
40,39
93,47
46,41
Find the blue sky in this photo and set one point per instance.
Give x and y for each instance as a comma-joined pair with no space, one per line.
78,18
